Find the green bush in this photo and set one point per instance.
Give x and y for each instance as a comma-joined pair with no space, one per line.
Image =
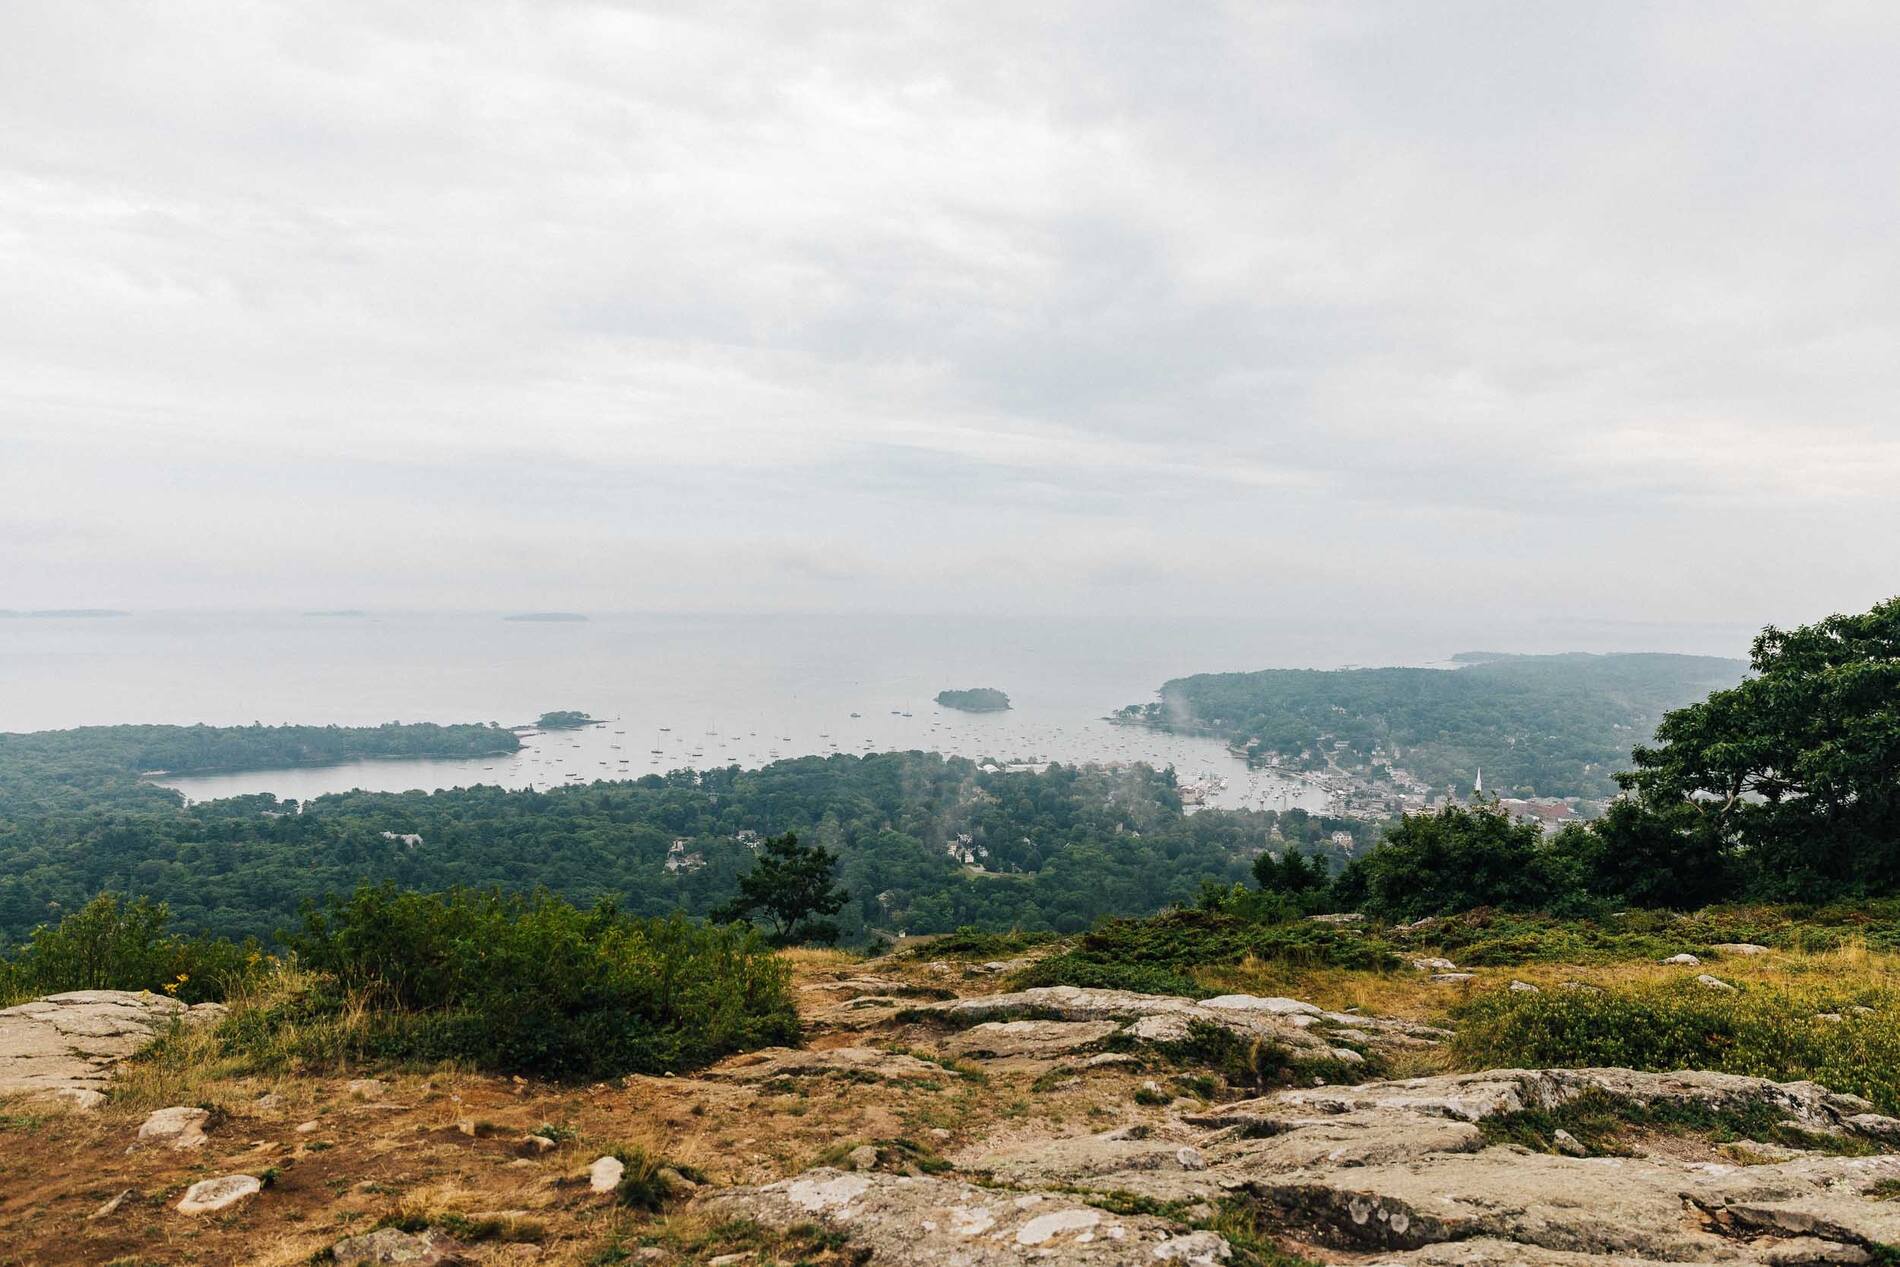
1757,1030
525,984
1155,955
969,942
1072,969
113,944
1494,938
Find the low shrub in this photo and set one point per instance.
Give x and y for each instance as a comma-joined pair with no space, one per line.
968,942
1077,970
523,984
1154,955
1493,938
1783,1033
115,944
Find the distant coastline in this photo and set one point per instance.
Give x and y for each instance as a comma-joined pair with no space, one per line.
62,613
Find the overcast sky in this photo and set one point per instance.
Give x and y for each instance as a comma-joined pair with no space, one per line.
1581,311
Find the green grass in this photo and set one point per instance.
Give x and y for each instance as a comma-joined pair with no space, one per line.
895,1154
1603,1125
1156,956
1240,1221
974,943
693,1241
1501,939
1768,1031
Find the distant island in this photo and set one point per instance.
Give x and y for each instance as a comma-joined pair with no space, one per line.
549,618
981,699
565,719
60,613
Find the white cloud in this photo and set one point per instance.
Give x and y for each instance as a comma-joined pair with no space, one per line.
857,300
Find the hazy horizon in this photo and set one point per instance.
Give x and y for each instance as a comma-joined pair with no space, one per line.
1421,318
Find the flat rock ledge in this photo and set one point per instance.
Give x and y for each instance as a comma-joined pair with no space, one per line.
867,1063
66,1045
1403,1172
1308,1033
942,1223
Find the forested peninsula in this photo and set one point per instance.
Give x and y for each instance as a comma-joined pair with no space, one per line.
97,768
1543,725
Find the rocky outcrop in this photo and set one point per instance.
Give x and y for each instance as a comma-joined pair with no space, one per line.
942,1223
769,1063
1404,1169
1028,1040
1306,1032
67,1044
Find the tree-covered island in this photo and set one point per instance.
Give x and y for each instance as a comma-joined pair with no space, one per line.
565,719
980,699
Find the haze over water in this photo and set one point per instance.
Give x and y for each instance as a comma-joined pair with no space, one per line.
742,689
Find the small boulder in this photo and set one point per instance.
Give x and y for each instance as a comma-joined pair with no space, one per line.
1524,987
534,1145
1434,965
1452,978
1708,982
1567,1144
179,1127
605,1174
1686,960
211,1195
1739,948
1343,917
365,1088
111,1206
863,1157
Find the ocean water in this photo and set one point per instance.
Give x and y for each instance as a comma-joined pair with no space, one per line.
683,690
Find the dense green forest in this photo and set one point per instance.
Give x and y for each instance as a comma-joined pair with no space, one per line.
1556,725
96,766
927,843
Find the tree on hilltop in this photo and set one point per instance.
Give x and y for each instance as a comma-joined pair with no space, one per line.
1794,775
790,886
